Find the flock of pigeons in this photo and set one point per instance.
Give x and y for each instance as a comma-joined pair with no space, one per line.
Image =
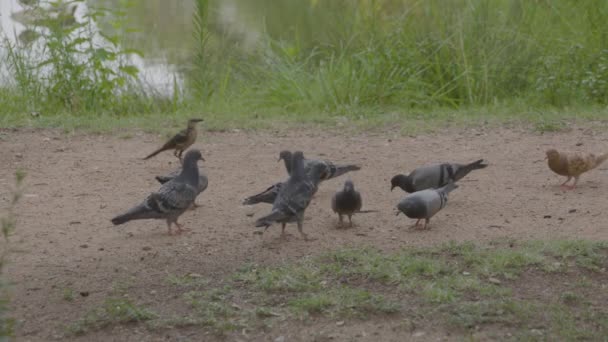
427,187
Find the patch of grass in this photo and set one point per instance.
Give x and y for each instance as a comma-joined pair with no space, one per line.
112,311
68,294
505,287
188,280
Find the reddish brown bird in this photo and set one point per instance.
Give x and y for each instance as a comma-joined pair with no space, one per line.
573,164
180,142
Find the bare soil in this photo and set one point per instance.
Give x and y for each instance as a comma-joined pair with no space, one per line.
77,182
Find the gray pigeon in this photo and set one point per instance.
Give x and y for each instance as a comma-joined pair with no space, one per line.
330,170
172,199
434,176
294,197
426,203
347,201
266,196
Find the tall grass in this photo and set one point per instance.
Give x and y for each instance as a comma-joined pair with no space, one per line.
341,57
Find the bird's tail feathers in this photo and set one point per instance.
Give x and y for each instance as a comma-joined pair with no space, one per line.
601,158
269,219
155,153
339,170
478,164
163,179
266,196
136,213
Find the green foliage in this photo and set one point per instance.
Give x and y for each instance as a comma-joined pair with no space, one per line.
9,223
78,69
112,311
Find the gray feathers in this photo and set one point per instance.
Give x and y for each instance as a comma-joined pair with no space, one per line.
172,199
434,176
266,196
329,169
346,201
426,203
294,196
203,181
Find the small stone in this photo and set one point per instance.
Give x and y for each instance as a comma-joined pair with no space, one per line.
465,273
84,293
280,339
571,211
340,323
146,248
547,216
18,155
84,246
194,275
153,292
494,281
419,334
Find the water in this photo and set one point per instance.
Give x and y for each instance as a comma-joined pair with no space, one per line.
156,74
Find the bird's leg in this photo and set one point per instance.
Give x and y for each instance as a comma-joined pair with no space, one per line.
180,228
564,183
283,229
340,221
304,236
426,222
573,186
417,222
350,220
169,227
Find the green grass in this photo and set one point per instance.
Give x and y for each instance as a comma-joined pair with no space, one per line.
112,311
507,289
366,64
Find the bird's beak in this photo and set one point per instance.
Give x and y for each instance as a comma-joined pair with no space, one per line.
546,157
278,160
397,213
392,187
203,159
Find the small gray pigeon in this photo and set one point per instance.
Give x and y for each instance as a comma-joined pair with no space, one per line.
347,201
330,170
266,196
294,197
426,203
172,199
434,176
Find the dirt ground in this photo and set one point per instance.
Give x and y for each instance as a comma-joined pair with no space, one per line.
77,182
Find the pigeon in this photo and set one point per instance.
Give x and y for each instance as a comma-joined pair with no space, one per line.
572,165
330,170
347,202
426,203
180,142
294,197
266,196
172,199
434,176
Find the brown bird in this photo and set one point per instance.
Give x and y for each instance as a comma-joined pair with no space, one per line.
180,142
573,164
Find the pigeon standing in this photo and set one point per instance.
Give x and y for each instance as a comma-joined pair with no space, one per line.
180,142
426,203
573,165
294,197
347,202
172,199
330,170
434,176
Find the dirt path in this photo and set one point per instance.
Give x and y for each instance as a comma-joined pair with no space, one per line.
76,183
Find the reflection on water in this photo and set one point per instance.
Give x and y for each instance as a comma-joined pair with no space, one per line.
21,25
